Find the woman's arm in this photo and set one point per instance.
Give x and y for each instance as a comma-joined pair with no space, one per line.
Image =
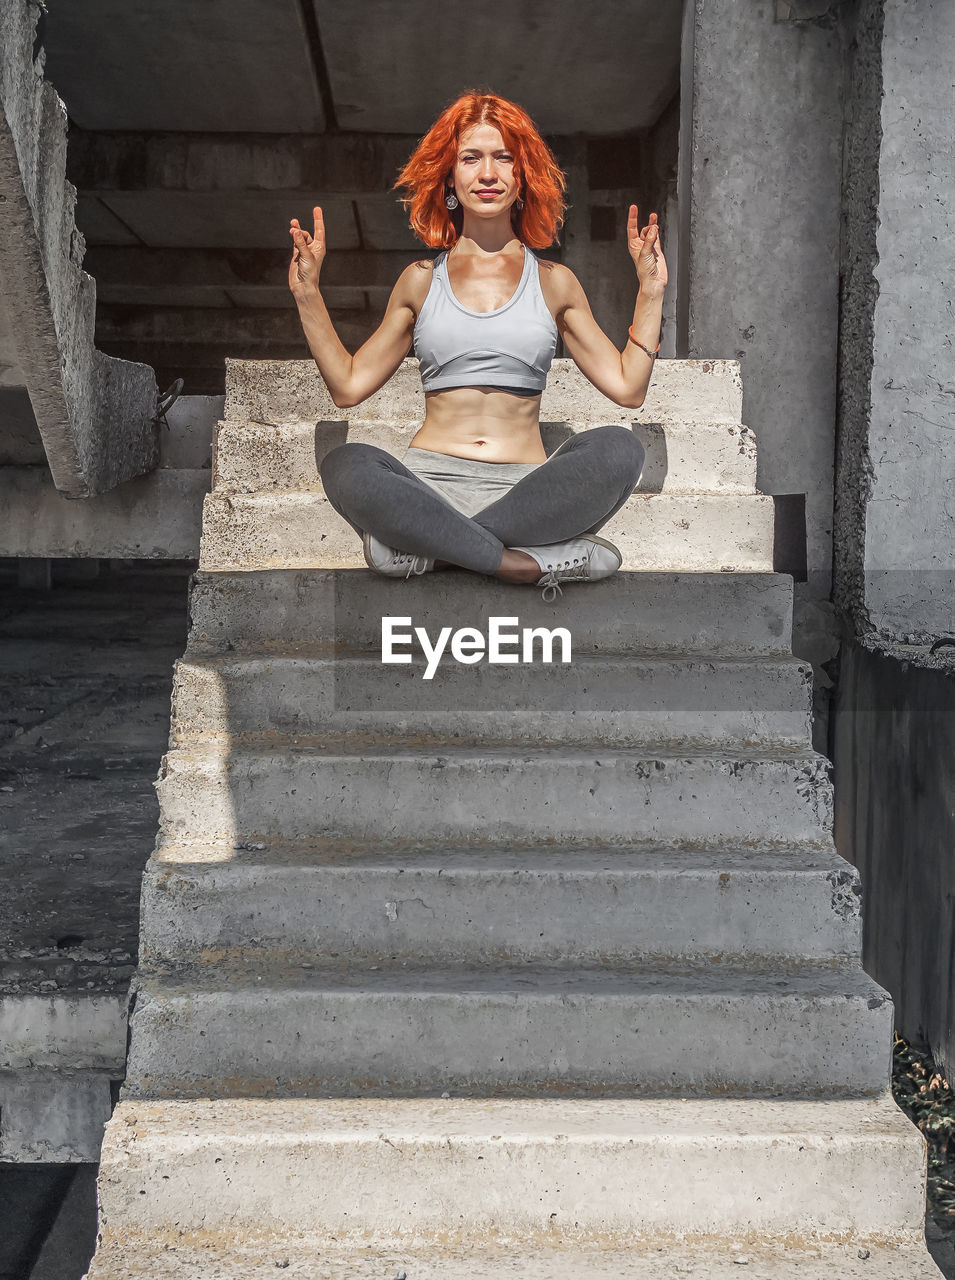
350,378
622,376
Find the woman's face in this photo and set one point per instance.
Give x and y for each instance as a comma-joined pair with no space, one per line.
483,176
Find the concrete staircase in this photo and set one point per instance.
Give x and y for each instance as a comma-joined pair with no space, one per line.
96,415
533,970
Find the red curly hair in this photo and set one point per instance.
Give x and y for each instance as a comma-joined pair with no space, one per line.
540,178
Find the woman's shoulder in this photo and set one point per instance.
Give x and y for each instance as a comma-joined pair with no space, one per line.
558,284
411,287
420,270
556,271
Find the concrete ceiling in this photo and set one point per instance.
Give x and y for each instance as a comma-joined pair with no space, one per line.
601,68
215,65
382,66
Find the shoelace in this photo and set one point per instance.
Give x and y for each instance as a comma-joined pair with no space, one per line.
416,564
566,572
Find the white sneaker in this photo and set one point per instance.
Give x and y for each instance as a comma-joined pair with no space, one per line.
581,560
391,563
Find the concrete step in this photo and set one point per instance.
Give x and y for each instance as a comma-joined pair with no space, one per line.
466,906
279,391
247,1028
491,795
139,1258
681,457
459,1172
592,699
289,529
732,614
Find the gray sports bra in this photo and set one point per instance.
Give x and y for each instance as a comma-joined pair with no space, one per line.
509,349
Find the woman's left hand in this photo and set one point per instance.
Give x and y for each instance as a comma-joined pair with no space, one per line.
646,251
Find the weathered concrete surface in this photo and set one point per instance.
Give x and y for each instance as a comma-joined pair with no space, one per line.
274,392
20,440
585,905
363,47
191,94
764,238
186,432
84,686
897,467
56,1117
192,160
95,414
594,1170
129,266
858,292
99,54
610,701
621,796
895,819
681,457
59,1026
156,516
306,787
145,1259
701,533
603,180
222,1029
690,613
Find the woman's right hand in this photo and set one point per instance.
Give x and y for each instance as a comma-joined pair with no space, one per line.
308,254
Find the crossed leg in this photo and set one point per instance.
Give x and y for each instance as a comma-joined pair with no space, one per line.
576,491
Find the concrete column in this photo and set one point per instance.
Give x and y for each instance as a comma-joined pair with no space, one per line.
895,560
765,178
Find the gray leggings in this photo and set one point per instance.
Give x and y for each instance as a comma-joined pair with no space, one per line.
576,491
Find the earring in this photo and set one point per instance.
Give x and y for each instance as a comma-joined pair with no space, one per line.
451,199
519,203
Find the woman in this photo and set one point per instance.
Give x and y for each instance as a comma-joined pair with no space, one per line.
475,488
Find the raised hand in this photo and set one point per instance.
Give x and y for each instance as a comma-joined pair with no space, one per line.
646,251
308,254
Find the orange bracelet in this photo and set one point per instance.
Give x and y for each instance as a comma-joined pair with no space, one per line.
652,354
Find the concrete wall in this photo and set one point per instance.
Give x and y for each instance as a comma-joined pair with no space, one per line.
894,746
895,556
94,414
764,236
894,728
604,177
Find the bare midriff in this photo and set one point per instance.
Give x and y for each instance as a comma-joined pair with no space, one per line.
481,423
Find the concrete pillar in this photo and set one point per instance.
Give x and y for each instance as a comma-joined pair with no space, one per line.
895,555
765,174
